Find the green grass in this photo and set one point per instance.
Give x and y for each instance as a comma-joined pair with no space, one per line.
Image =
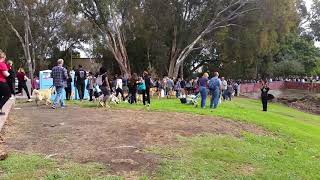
225,157
291,151
25,167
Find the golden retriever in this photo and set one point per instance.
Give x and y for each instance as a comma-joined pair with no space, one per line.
43,95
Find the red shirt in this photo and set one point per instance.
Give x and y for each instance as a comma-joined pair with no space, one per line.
20,76
3,67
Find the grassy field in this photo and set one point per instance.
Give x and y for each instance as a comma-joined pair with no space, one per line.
25,167
290,151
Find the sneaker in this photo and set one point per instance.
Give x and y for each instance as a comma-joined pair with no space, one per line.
53,107
2,113
63,107
12,98
29,100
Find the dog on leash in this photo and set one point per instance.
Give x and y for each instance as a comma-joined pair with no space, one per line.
43,95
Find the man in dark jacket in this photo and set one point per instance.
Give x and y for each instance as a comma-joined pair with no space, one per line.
80,81
146,94
264,95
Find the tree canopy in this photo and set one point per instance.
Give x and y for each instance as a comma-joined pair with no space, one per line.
239,38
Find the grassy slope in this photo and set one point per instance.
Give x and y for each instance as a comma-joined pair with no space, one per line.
281,119
293,152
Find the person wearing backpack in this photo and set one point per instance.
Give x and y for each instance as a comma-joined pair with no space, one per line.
203,83
215,89
81,76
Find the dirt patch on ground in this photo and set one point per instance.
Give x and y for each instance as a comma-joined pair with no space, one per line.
306,103
115,138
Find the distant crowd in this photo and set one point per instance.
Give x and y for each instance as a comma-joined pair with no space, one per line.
143,87
302,79
104,88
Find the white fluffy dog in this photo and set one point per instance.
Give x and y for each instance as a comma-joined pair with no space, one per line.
106,101
43,95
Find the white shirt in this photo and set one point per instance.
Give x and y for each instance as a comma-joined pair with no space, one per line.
224,85
119,84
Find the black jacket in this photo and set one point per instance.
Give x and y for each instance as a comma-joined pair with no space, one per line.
12,75
147,81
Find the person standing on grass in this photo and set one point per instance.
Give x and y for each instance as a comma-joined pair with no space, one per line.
35,83
81,76
133,88
203,83
264,95
11,79
22,83
177,88
68,88
119,86
4,87
159,86
235,88
224,85
170,86
148,84
59,76
215,89
105,88
228,93
90,85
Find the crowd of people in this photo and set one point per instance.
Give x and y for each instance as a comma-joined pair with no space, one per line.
104,87
102,84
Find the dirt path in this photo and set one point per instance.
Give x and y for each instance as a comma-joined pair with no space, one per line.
115,138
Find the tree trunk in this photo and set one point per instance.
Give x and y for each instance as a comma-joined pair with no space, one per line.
33,50
24,43
181,71
116,44
176,70
27,47
173,54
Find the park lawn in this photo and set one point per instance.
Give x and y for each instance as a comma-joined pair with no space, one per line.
20,166
291,151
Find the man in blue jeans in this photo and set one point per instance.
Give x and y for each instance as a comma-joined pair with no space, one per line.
203,83
215,89
59,76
